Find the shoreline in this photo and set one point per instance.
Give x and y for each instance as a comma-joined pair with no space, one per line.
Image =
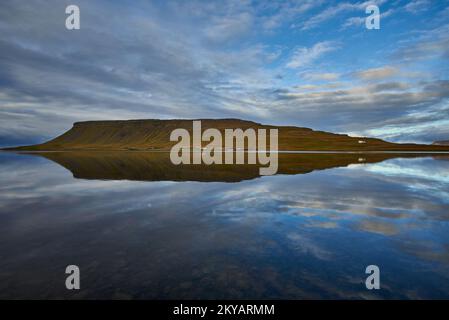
246,151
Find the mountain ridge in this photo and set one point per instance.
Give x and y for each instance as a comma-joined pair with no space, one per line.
154,134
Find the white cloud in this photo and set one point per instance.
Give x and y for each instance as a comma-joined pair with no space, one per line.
359,21
287,11
333,11
321,76
416,6
303,56
354,21
377,73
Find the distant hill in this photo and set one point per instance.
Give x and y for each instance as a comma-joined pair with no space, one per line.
152,134
441,143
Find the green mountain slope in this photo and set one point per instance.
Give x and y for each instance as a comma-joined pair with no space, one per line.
155,135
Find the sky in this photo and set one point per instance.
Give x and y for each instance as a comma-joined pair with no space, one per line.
308,63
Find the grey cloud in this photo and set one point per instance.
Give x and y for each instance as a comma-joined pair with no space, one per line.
361,108
126,64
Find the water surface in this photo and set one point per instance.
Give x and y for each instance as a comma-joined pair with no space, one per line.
139,227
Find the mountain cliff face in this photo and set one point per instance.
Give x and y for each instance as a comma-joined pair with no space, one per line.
145,135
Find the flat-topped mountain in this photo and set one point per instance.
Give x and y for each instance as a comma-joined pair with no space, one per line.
152,134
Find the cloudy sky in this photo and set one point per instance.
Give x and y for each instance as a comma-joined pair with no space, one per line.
308,63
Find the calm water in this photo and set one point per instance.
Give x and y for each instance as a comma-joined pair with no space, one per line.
139,228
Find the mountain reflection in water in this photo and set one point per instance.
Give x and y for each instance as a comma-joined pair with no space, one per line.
140,227
156,166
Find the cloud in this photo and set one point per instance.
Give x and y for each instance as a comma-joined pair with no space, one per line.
416,6
372,97
286,11
303,56
415,126
377,73
327,14
375,109
229,27
430,44
144,67
354,21
314,87
359,21
321,76
335,10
